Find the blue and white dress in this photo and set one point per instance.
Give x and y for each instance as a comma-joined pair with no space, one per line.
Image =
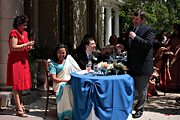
64,96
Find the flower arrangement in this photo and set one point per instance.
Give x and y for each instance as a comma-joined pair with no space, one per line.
104,65
112,68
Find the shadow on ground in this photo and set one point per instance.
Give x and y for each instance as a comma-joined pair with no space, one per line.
36,111
168,104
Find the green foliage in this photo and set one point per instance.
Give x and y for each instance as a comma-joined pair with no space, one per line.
160,14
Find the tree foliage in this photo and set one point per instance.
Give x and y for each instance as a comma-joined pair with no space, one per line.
160,14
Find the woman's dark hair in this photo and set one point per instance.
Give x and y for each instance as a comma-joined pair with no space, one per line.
59,46
140,13
160,36
112,39
19,20
176,27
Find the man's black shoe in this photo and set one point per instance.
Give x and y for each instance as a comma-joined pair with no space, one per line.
137,114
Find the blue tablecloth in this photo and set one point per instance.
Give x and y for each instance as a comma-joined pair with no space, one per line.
112,96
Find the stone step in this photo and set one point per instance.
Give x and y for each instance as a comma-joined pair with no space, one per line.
5,98
5,88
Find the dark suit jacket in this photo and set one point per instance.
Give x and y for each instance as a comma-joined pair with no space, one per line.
140,51
80,57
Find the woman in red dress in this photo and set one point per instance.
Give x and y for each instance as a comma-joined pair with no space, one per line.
18,70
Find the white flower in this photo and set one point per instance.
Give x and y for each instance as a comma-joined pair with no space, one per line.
105,65
110,66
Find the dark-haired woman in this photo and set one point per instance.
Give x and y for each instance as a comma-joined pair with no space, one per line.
18,70
60,67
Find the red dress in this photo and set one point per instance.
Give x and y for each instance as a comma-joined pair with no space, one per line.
18,70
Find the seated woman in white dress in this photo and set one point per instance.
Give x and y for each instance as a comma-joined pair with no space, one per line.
60,67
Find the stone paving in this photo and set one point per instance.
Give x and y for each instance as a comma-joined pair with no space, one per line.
36,111
162,107
157,108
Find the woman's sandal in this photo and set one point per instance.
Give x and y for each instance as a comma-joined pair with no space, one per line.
21,113
24,109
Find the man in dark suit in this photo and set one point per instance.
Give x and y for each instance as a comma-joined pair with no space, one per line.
84,53
140,57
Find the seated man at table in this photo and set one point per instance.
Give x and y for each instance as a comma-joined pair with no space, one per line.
61,65
84,53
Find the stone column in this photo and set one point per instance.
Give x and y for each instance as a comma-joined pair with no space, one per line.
108,24
116,22
8,10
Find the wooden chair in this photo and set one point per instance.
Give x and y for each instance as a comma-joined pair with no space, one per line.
50,94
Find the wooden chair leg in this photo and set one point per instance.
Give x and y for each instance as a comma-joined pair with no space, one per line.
165,90
47,102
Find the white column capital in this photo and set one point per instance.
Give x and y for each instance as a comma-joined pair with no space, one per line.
108,6
116,9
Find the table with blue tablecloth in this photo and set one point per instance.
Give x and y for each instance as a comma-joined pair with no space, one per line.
110,97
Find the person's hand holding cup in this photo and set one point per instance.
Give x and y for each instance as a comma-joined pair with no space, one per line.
31,44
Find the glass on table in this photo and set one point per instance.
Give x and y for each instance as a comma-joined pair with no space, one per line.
95,67
88,67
